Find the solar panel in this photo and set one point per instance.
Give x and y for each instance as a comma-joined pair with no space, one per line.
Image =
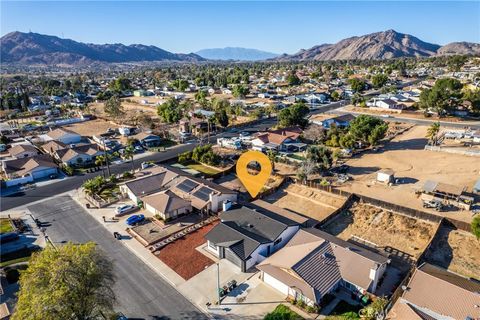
203,193
187,185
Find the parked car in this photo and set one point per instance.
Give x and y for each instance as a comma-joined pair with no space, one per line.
433,204
133,220
121,210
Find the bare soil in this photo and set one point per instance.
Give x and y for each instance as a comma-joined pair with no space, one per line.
457,251
182,256
310,202
92,127
382,228
413,165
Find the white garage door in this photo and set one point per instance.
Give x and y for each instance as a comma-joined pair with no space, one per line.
275,283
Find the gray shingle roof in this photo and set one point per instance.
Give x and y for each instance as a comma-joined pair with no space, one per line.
243,229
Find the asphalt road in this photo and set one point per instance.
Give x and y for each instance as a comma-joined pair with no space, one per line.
141,293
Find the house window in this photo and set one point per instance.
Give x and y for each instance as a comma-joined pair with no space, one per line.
277,241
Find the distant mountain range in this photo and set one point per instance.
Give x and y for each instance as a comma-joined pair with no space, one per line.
380,45
235,53
33,48
37,49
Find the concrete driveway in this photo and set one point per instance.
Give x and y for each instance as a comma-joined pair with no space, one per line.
252,298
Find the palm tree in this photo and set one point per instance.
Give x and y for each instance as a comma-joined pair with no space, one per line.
432,133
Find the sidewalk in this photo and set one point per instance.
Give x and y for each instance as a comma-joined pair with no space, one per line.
131,243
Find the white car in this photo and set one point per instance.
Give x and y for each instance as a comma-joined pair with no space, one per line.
121,210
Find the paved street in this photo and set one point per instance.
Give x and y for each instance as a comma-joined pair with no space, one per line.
141,293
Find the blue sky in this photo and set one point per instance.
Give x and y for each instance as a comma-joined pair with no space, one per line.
277,26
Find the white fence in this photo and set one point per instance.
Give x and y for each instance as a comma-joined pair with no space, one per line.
472,153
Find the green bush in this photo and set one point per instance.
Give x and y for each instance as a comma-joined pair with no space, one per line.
185,158
476,227
282,312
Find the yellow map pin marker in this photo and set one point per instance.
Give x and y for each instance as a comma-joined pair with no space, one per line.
254,183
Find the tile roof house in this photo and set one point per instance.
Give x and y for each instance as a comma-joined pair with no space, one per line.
63,135
167,205
277,140
23,151
203,195
246,236
51,146
37,167
147,139
314,263
434,293
78,155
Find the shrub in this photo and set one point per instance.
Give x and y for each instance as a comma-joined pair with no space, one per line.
68,170
476,227
185,157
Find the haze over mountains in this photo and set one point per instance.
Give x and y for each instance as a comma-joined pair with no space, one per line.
37,49
235,53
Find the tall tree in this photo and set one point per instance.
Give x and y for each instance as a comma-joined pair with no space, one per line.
70,282
113,107
442,97
293,115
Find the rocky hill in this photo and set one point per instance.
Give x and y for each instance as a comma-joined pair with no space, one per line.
34,48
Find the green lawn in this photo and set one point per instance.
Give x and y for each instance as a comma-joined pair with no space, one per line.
5,225
296,156
203,169
282,312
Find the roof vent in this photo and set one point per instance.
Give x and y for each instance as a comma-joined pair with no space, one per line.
250,225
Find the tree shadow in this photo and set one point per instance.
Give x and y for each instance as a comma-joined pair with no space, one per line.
362,170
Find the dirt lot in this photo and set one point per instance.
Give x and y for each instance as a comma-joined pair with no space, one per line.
182,256
383,228
92,127
457,251
406,156
309,202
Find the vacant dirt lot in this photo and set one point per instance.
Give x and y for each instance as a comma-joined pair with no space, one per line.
406,156
312,203
182,257
92,127
457,251
385,229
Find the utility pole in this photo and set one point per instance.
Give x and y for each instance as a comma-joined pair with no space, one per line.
106,156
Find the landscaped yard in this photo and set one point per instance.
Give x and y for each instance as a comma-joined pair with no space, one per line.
182,256
5,225
203,169
282,312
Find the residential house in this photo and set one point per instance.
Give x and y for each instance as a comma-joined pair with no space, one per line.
148,140
314,264
204,196
167,205
283,140
63,135
246,236
78,155
24,170
434,293
327,120
52,146
151,183
385,104
23,151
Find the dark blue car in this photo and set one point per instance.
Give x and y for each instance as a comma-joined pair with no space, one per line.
137,218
